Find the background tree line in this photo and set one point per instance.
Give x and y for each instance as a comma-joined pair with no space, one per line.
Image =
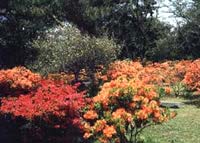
130,26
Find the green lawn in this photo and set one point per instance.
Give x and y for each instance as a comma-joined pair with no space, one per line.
184,128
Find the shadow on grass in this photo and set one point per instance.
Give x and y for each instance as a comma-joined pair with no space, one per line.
194,100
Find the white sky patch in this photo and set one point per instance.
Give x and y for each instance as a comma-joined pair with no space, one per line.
165,13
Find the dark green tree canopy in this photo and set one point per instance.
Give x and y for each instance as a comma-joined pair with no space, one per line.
131,23
188,33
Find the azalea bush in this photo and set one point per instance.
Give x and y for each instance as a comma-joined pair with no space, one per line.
171,75
127,101
192,76
54,105
121,110
124,68
17,80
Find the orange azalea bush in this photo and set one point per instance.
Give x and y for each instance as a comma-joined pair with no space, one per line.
155,73
123,68
121,110
17,79
192,76
166,74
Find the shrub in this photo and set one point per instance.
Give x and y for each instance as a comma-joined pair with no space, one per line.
54,102
66,49
48,114
192,76
181,76
125,68
180,89
17,80
121,110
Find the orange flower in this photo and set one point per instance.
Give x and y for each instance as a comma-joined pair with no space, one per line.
109,131
152,94
90,115
146,109
132,105
167,90
142,115
99,125
118,113
87,135
157,113
145,100
137,98
112,84
153,104
121,113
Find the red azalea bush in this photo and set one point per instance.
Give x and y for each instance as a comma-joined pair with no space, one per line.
17,80
56,103
53,105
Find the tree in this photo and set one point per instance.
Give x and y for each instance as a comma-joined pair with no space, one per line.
129,22
188,33
22,20
64,48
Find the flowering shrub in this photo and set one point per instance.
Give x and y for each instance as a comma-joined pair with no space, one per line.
121,110
167,74
181,68
127,102
55,103
192,76
17,79
122,68
155,73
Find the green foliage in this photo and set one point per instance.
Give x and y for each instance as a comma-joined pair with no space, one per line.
161,92
130,22
187,39
64,48
23,18
165,44
179,89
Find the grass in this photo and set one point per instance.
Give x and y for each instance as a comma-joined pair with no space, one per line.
184,128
